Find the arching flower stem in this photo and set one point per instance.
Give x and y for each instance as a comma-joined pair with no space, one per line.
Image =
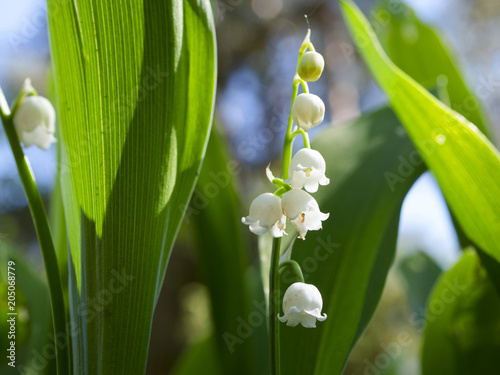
305,135
274,303
42,229
281,191
280,183
294,266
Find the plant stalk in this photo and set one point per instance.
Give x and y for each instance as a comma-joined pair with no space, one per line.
44,237
274,275
274,302
287,146
294,266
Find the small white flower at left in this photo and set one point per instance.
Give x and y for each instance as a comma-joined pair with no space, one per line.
303,211
266,215
35,122
307,169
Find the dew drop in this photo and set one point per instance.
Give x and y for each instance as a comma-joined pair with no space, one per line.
440,139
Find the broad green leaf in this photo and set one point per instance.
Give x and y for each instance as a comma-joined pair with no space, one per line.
215,211
463,322
371,164
33,320
465,163
200,358
135,88
418,50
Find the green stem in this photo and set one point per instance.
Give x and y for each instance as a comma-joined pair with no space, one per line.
282,190
295,269
287,146
274,295
279,182
305,88
274,302
307,143
44,236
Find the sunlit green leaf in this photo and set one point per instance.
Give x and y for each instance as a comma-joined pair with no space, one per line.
371,164
418,50
463,322
135,87
465,163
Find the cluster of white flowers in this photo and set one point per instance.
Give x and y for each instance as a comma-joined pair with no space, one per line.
268,212
306,170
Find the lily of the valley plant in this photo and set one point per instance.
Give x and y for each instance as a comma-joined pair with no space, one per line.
32,122
302,303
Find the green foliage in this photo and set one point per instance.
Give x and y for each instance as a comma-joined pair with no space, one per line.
33,320
223,260
420,52
349,259
201,358
465,163
463,322
135,87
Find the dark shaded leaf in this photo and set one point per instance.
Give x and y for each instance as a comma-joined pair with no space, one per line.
371,164
216,212
463,322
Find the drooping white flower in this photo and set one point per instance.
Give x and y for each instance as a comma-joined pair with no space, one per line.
302,304
308,110
311,66
266,215
303,211
307,169
35,122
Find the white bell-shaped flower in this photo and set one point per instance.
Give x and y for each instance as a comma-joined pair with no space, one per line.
266,215
302,304
35,122
303,211
308,110
307,169
311,66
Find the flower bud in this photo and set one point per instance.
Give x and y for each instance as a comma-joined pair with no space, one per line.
311,66
308,110
34,121
302,304
266,215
